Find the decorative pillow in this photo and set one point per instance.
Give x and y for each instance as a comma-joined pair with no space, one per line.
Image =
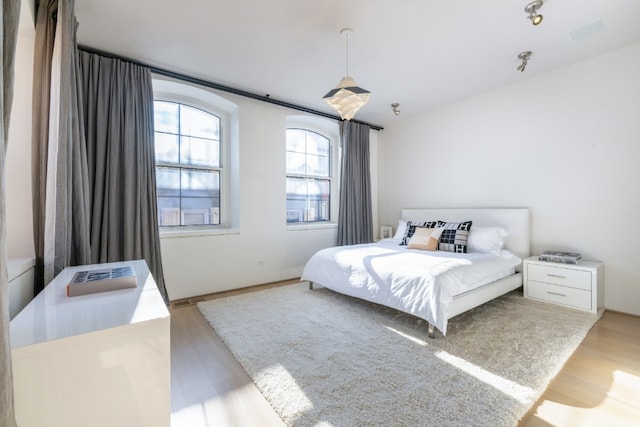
454,236
425,239
402,227
411,227
487,239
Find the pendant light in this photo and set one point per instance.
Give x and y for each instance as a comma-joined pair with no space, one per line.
347,98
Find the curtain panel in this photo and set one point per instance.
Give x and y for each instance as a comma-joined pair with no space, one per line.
118,120
93,157
355,223
59,162
10,20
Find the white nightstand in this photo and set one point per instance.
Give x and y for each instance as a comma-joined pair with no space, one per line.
578,286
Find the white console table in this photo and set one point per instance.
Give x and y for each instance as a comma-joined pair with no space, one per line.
93,360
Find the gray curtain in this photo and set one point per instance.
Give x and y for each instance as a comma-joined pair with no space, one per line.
118,105
43,53
355,223
60,174
10,19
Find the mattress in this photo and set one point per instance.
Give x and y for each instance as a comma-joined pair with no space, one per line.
422,283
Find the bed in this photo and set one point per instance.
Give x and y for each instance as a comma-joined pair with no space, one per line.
432,285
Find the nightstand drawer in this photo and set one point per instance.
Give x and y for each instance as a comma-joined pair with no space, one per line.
560,276
571,297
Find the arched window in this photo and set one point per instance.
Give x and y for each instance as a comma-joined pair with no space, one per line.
196,157
187,144
312,170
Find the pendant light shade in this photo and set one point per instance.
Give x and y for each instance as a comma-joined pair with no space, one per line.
347,98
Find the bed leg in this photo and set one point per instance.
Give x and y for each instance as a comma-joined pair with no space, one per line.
310,285
432,331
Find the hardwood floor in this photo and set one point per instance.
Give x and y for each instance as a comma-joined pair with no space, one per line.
598,386
600,383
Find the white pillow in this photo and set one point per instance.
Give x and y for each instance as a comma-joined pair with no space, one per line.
487,239
402,227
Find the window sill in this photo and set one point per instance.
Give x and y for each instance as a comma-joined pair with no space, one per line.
196,232
312,226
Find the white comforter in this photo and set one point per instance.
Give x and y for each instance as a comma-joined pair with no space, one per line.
418,282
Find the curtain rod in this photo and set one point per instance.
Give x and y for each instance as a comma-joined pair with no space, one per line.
212,85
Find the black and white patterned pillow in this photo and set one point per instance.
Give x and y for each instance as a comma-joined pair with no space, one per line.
454,236
411,228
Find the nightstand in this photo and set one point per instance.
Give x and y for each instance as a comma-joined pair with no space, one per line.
578,286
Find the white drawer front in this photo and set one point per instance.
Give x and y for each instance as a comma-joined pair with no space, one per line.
560,276
571,297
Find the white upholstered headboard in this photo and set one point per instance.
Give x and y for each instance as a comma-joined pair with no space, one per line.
514,220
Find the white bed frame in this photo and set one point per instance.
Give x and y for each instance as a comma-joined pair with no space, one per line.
514,220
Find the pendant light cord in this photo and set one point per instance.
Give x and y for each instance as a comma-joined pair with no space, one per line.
347,60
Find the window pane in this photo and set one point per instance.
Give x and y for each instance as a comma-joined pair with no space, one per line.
308,199
317,144
198,151
317,165
195,122
296,163
166,116
197,183
168,211
200,211
296,199
167,182
166,146
318,200
296,140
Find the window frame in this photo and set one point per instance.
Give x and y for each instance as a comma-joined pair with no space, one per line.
196,97
330,130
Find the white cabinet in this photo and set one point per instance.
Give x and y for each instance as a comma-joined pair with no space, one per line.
93,360
21,275
578,286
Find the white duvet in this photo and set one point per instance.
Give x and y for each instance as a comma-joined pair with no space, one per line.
421,283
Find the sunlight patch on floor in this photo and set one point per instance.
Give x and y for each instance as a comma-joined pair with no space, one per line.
520,393
418,341
223,410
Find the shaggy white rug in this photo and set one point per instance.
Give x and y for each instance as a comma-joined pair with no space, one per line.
325,359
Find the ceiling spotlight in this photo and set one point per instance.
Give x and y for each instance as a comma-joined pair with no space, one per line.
532,10
347,98
394,108
524,57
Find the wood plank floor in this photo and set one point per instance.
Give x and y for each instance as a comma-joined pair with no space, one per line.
600,383
598,386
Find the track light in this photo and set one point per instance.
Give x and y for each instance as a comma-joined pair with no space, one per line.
524,57
394,108
532,10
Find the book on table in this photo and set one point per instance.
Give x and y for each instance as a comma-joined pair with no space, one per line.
101,280
560,256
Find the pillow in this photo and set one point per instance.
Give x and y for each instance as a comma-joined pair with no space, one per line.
487,239
411,227
454,236
402,227
425,239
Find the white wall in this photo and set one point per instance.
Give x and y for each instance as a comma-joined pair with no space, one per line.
566,144
18,191
263,249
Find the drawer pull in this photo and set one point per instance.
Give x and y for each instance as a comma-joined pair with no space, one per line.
556,293
556,275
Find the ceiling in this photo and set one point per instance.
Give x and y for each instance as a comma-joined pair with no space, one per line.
419,53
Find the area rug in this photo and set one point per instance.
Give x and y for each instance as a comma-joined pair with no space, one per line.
324,359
